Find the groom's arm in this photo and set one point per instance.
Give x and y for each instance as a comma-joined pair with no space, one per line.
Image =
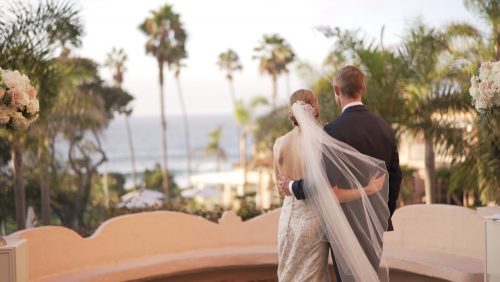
297,189
395,177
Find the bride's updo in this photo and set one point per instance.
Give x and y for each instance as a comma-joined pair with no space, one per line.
305,96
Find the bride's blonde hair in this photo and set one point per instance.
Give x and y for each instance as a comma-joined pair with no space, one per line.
305,96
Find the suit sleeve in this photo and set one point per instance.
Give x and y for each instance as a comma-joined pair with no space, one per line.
395,178
298,189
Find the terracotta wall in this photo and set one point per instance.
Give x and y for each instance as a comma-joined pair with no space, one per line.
52,250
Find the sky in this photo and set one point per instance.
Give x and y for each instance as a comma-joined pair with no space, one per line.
216,25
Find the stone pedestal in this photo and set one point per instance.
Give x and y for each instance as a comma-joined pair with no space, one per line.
13,261
492,260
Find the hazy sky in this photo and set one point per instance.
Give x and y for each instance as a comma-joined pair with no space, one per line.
215,25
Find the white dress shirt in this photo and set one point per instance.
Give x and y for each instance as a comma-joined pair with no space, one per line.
357,103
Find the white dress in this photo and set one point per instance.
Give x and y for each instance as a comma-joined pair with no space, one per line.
302,255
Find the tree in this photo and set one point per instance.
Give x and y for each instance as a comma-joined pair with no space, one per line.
115,61
244,114
275,54
434,96
81,113
214,148
229,62
153,179
166,39
489,10
177,65
386,73
28,37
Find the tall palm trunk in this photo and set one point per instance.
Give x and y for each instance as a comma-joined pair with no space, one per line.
187,136
217,162
44,182
242,146
243,156
163,122
20,195
430,170
275,91
232,91
131,151
105,184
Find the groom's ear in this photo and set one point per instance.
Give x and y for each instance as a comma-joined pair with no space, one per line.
336,90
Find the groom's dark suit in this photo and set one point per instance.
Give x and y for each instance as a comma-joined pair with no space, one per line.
372,136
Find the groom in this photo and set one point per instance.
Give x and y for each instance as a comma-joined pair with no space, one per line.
366,132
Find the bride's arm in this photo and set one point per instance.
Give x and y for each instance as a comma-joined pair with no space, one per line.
276,152
351,194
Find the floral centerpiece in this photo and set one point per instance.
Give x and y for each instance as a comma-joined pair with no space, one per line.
485,88
19,106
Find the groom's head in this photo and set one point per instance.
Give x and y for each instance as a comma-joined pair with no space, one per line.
349,85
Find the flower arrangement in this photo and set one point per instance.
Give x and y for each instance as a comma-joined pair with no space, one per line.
19,106
485,88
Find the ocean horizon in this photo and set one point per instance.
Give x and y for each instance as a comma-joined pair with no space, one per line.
146,136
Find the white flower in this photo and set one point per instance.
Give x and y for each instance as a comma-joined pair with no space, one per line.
16,80
33,107
485,88
2,92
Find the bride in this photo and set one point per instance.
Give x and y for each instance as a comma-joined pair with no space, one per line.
338,181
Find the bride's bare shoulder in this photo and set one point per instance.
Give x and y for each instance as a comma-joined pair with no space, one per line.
283,139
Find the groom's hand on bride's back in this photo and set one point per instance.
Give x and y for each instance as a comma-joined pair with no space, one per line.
283,183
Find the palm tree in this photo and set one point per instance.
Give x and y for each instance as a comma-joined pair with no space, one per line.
166,38
115,61
177,65
435,92
230,63
489,10
244,114
275,54
214,148
385,71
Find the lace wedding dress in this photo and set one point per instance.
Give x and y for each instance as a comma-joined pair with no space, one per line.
303,256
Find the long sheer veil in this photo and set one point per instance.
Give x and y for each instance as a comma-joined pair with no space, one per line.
354,229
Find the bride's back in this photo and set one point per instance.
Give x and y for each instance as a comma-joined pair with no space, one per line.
290,155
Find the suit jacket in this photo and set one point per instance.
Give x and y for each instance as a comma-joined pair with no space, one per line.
372,136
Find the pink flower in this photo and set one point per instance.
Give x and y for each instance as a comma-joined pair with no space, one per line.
31,92
19,99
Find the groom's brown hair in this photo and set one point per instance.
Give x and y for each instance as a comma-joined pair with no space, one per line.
351,81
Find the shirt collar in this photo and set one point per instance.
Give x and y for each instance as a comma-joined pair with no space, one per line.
351,104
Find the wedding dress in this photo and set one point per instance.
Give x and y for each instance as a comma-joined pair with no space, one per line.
354,229
303,256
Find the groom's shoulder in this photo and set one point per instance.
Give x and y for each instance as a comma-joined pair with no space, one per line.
332,124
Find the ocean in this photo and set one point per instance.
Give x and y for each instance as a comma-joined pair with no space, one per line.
146,135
